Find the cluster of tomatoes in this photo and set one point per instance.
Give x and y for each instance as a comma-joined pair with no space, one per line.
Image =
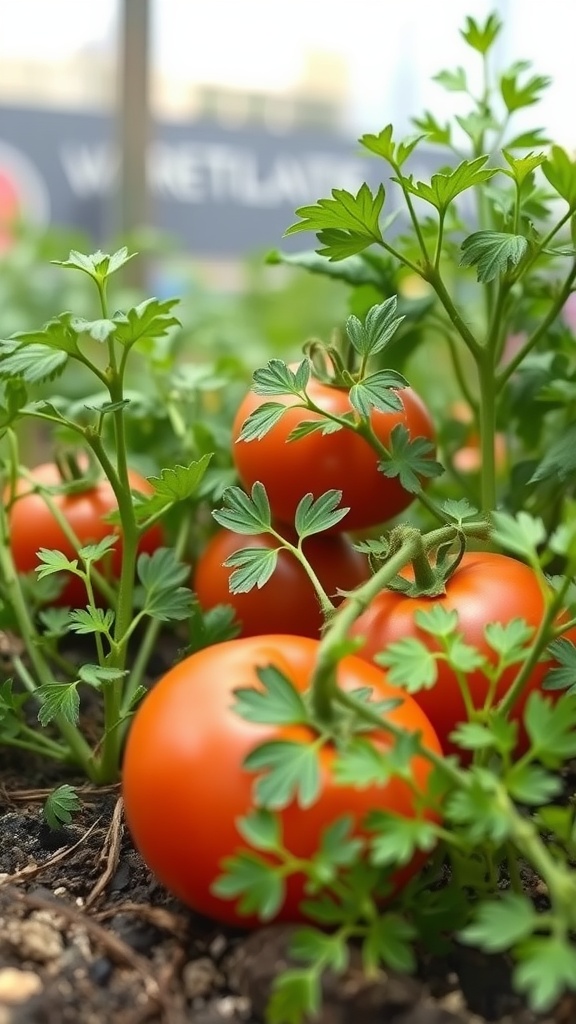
185,784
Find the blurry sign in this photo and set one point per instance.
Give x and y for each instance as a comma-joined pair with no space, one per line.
220,192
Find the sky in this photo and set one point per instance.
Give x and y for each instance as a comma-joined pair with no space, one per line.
392,47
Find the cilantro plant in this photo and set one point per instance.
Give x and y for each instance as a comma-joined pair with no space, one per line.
491,238
151,588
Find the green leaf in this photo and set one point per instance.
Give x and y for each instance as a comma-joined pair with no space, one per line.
296,996
210,626
481,37
531,784
383,145
99,264
146,322
277,704
475,736
292,772
99,330
253,567
161,575
437,620
463,657
317,948
313,516
492,253
176,483
55,561
521,533
260,888
31,362
563,675
444,188
500,924
345,224
94,552
377,391
337,844
243,513
397,839
521,167
91,620
276,378
354,270
560,171
261,420
261,829
517,96
379,327
438,134
509,639
476,810
360,764
60,806
410,460
528,140
317,426
551,727
453,81
459,511
11,703
410,664
559,460
546,969
388,941
58,700
98,675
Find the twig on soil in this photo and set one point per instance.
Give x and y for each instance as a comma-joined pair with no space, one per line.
158,917
33,870
118,951
109,855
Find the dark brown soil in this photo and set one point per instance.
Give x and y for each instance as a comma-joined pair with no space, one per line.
87,935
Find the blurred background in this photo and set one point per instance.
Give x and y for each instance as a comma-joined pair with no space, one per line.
192,130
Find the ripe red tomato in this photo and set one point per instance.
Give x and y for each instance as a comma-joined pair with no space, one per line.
486,587
32,526
185,787
287,602
320,462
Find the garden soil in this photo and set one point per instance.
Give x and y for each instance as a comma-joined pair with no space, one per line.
88,936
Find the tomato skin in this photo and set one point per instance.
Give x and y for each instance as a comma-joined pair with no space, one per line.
319,462
486,587
33,526
184,786
287,602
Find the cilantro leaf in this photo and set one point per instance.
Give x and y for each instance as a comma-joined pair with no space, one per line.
296,996
396,839
492,253
521,534
383,145
551,727
162,575
260,888
560,171
516,96
175,483
91,620
58,699
243,513
378,391
253,567
387,942
60,805
315,515
277,703
444,187
261,829
210,626
261,420
499,924
98,265
410,460
33,363
292,772
146,322
410,664
563,675
276,378
345,224
379,327
546,969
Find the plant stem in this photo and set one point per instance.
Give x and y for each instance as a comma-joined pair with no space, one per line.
324,688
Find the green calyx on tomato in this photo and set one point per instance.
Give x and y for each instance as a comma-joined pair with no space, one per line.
184,804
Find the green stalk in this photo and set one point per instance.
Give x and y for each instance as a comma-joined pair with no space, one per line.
79,748
487,431
324,688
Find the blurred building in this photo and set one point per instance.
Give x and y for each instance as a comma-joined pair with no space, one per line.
87,81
